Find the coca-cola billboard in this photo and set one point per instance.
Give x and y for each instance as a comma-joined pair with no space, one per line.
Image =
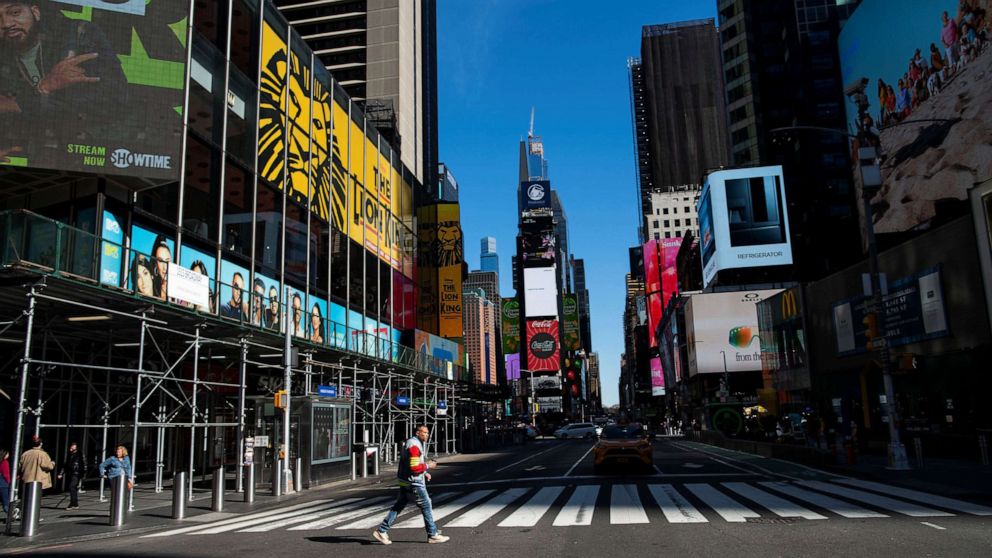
542,345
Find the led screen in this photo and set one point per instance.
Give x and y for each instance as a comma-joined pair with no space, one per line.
540,292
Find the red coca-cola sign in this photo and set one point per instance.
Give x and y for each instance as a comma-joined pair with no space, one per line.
543,352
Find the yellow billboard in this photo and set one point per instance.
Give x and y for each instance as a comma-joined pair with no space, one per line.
339,168
271,115
448,258
356,184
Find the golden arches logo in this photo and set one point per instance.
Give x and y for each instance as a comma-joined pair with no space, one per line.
790,306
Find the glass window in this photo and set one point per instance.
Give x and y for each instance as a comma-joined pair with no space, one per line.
319,256
268,228
242,121
244,37
210,20
160,201
206,90
239,194
201,193
371,284
296,242
385,292
339,266
331,433
356,275
665,211
668,223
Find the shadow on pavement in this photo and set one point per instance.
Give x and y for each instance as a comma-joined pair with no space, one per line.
339,540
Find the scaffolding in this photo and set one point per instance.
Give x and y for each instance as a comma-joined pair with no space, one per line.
170,385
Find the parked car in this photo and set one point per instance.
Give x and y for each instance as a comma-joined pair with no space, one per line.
626,447
585,430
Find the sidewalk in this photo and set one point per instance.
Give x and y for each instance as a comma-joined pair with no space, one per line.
153,511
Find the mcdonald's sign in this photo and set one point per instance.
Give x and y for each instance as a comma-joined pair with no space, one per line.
790,304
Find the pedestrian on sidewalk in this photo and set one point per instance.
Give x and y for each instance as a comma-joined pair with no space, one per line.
73,470
36,465
117,465
413,477
4,480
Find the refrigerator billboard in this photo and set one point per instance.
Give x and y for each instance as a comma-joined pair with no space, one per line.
923,85
722,331
543,353
743,220
83,81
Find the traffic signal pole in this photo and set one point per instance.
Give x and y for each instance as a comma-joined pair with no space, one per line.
897,451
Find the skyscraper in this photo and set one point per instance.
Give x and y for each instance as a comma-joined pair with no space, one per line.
479,316
677,107
489,260
488,281
384,52
582,297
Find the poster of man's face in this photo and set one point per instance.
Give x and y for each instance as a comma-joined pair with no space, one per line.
151,254
82,82
233,291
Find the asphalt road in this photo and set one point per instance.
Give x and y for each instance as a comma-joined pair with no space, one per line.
544,499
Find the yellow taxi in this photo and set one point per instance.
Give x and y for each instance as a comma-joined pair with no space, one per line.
626,447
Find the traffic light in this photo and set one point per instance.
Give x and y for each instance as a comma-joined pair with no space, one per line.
871,329
280,399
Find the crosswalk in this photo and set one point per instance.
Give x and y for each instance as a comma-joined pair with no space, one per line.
617,504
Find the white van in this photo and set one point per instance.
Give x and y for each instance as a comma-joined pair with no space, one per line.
578,430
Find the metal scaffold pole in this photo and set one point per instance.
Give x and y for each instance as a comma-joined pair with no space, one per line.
241,416
22,395
192,428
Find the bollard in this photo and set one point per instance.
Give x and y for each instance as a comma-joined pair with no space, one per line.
918,446
118,501
298,475
375,463
217,502
250,483
31,509
983,449
365,462
179,495
277,478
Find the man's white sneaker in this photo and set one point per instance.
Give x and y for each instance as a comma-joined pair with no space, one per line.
438,538
381,537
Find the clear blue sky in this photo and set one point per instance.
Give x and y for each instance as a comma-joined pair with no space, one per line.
568,59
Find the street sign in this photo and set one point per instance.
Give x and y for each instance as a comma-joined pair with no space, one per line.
402,401
327,391
249,450
261,441
442,408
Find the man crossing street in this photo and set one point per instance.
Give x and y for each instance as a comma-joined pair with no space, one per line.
413,476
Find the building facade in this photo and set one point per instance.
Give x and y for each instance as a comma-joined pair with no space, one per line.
488,258
480,336
673,213
385,54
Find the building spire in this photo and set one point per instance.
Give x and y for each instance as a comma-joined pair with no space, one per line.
530,132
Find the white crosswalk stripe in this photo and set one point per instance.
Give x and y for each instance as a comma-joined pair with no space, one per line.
728,508
580,507
526,506
445,510
883,502
944,502
778,506
625,505
479,515
839,507
675,507
530,513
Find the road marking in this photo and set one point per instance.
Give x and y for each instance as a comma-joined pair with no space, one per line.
479,515
625,506
349,516
928,524
657,469
580,507
530,513
500,470
214,529
446,510
576,464
692,466
270,513
675,507
411,508
341,507
778,506
897,506
758,467
535,468
728,508
839,507
949,503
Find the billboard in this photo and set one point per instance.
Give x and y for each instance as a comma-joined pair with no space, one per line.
743,221
151,254
538,248
449,255
722,330
931,121
657,377
914,311
512,366
547,382
535,194
204,264
570,315
540,292
660,280
510,330
542,346
549,404
82,82
233,291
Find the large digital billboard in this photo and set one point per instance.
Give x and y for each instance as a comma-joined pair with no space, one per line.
657,377
743,220
723,331
925,82
93,85
570,323
543,352
510,322
535,194
660,280
540,292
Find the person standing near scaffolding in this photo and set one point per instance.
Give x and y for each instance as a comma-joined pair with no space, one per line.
73,469
413,476
117,465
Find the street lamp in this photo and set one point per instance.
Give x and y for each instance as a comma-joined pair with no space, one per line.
871,177
726,375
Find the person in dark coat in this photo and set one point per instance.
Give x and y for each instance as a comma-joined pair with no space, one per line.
73,469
